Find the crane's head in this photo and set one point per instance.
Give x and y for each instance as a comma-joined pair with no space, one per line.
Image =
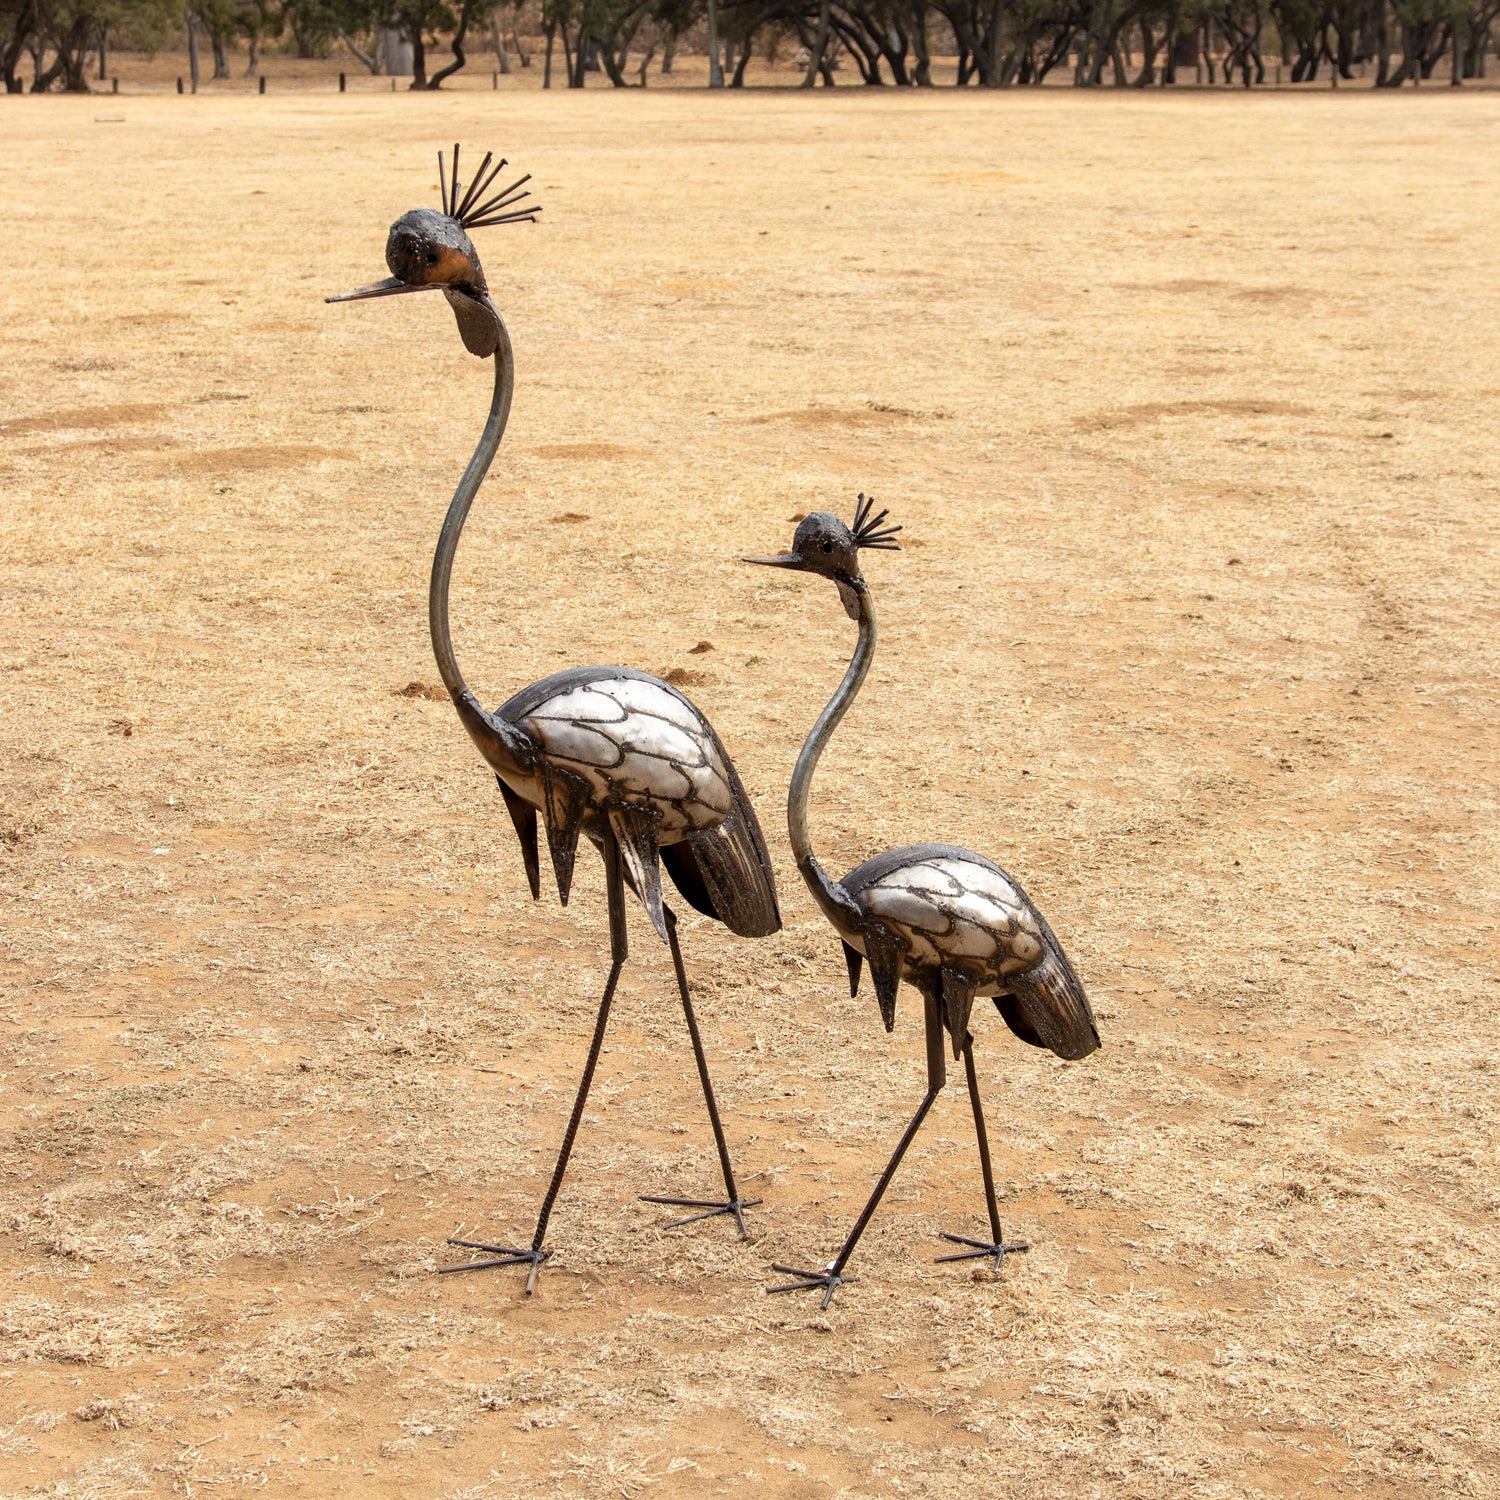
428,250
823,544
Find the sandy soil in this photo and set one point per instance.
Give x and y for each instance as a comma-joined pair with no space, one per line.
1193,401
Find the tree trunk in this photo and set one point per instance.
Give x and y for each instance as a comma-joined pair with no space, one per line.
465,15
550,31
987,54
42,78
399,61
820,45
221,63
580,62
921,46
10,55
70,62
371,62
1185,53
866,59
253,66
715,71
668,54
103,61
418,58
573,57
1147,76
192,30
613,60
738,81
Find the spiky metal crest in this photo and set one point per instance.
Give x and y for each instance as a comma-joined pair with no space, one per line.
472,210
868,532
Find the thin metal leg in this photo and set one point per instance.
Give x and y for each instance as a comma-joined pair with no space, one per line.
508,1255
832,1276
712,1207
982,1136
996,1246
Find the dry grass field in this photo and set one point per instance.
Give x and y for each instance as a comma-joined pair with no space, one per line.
1189,407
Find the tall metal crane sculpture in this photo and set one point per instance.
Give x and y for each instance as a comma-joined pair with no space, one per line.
947,921
607,752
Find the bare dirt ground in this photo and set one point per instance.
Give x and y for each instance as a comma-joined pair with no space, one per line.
1189,408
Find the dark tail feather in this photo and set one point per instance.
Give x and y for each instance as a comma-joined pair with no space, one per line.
725,872
1054,1006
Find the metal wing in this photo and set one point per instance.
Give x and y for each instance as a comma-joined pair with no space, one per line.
725,871
647,748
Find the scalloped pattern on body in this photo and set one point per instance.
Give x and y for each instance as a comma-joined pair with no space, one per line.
959,913
637,743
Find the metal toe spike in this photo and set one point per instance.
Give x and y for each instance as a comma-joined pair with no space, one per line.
503,1255
981,1250
809,1281
712,1208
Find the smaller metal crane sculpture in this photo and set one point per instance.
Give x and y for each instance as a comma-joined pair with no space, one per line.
607,752
949,922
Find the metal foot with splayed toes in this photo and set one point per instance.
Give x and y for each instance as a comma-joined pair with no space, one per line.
832,1277
712,1208
809,1281
508,1255
994,1247
504,1255
981,1249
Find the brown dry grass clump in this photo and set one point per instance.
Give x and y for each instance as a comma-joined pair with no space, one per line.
1189,409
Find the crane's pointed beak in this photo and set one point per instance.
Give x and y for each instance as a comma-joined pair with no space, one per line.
392,286
781,560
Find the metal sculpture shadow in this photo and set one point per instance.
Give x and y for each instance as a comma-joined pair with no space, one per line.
949,922
607,753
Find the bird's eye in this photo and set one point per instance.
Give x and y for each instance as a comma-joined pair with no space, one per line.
432,259
827,545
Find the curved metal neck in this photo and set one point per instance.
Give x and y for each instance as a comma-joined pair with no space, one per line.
458,513
500,743
807,762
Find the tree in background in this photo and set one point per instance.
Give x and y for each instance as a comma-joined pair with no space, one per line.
258,21
17,25
997,43
70,30
1427,31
